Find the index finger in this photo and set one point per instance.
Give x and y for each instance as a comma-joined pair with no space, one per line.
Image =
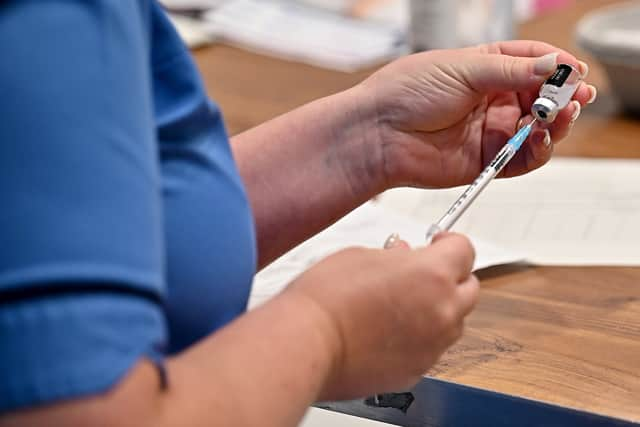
530,49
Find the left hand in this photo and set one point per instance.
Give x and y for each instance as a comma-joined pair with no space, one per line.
442,115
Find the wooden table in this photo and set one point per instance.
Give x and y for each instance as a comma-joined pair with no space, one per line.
567,336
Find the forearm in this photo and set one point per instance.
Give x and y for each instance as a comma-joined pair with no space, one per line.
306,169
262,370
268,367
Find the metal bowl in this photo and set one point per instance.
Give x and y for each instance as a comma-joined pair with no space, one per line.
612,36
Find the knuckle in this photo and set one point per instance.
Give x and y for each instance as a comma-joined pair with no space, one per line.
439,276
492,47
469,248
447,316
474,284
460,246
509,68
464,245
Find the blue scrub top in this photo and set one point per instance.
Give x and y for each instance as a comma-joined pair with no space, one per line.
125,231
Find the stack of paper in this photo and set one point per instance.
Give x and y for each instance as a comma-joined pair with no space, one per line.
300,32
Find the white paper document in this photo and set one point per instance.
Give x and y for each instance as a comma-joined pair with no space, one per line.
304,33
367,226
193,32
323,418
191,5
569,212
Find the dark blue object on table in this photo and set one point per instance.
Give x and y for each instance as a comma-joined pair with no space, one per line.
438,403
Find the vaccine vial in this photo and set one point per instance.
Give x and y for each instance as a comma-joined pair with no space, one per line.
556,93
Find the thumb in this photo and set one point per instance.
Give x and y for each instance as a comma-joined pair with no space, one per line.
496,72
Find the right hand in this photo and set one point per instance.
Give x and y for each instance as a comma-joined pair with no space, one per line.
392,313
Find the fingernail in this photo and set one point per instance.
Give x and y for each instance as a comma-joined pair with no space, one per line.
584,68
546,64
391,241
576,112
547,138
594,94
520,124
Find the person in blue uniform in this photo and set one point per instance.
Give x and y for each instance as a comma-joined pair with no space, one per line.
130,227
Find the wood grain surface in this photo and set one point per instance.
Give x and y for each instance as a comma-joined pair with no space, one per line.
568,336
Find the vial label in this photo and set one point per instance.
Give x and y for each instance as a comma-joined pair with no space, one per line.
560,76
556,93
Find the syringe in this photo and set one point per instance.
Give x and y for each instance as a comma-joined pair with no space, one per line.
473,191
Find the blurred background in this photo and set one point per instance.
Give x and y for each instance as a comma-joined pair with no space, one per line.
351,34
358,35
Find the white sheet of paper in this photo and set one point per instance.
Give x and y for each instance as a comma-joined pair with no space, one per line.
323,418
367,226
304,33
191,31
569,212
191,4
